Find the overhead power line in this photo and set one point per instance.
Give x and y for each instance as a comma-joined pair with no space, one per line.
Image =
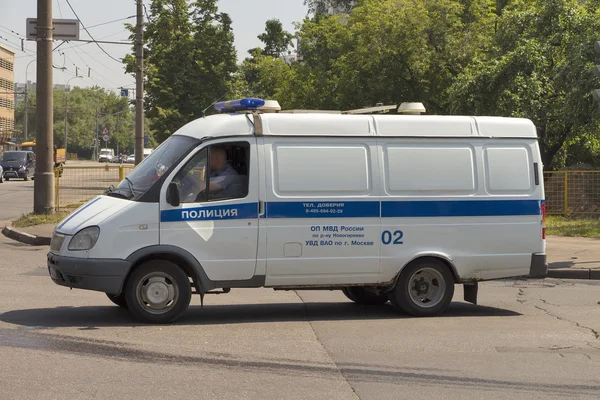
13,32
110,22
88,32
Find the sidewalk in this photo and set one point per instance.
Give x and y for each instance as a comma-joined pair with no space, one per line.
573,258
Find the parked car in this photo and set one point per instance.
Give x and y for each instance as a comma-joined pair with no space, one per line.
17,164
131,159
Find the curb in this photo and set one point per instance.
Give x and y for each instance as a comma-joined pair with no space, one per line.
26,238
569,273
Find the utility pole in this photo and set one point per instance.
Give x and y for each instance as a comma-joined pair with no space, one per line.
43,187
96,137
139,83
26,115
26,102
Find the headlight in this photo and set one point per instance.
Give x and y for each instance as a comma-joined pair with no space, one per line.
22,168
85,239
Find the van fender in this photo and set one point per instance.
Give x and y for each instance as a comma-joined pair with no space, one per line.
178,255
434,254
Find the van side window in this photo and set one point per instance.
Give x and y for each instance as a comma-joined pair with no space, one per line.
223,168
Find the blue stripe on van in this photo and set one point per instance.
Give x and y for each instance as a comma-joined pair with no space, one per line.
358,209
77,212
459,208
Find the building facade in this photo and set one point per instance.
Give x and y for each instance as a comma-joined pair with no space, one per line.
7,84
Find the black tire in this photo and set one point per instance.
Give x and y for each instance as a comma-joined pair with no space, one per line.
7,179
429,274
118,300
361,295
167,277
26,176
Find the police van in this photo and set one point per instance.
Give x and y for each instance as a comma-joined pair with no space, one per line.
397,208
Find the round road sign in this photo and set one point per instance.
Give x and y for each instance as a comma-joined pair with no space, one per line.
105,138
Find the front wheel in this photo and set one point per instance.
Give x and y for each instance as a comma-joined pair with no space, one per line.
425,288
158,292
361,295
118,300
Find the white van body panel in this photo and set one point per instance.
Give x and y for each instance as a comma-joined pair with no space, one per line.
337,200
308,232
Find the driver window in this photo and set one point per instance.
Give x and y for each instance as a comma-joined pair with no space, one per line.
191,178
223,168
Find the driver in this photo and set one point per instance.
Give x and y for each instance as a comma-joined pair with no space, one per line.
225,182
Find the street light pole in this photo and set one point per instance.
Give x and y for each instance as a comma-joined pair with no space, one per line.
67,109
26,105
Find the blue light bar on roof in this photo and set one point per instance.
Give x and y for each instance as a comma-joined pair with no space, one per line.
239,105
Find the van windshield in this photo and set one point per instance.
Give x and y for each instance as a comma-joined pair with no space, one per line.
10,156
158,163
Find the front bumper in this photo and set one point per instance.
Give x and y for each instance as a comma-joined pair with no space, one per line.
14,174
539,266
103,275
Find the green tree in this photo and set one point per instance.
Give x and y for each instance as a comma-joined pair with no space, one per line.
264,75
277,41
539,67
321,7
84,105
190,61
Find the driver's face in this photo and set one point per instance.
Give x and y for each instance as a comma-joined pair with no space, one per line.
217,159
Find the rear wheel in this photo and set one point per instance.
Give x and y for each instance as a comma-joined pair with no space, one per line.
118,300
425,288
361,295
158,292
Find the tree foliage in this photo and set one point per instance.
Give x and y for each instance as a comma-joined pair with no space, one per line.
83,107
521,58
539,67
190,61
277,41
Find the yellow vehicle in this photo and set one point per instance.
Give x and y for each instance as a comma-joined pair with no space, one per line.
60,155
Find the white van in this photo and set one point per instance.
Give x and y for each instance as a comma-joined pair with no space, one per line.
106,155
382,207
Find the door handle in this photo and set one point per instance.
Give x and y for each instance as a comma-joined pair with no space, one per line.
261,207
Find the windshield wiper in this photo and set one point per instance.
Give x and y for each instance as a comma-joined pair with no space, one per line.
130,186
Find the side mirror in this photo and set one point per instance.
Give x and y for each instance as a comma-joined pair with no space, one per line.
173,194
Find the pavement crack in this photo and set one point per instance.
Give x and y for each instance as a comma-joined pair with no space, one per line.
547,302
341,371
591,330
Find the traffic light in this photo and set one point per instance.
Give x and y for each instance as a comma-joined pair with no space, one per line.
596,92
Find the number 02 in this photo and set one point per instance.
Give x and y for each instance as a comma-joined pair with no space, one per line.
388,237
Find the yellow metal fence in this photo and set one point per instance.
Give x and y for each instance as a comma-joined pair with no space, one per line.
76,185
572,193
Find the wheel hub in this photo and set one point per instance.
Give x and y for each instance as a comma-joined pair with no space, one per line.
427,287
421,286
157,293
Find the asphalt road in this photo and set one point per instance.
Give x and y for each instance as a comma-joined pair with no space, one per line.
526,339
16,198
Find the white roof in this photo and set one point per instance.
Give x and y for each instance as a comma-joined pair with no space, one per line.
318,124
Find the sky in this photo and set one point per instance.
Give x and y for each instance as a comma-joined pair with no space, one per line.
249,17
